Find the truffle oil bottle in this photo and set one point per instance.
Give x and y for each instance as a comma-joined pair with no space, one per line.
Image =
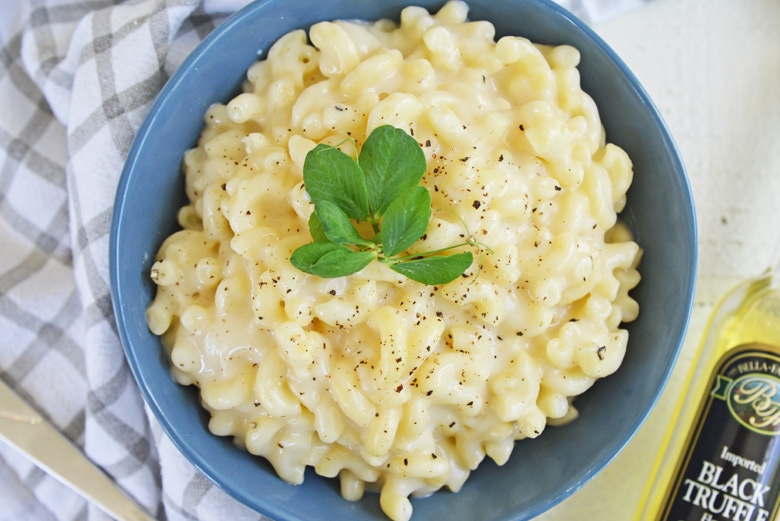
720,460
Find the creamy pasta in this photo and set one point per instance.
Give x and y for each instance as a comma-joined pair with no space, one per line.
389,384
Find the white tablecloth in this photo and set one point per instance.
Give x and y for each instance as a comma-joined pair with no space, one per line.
76,80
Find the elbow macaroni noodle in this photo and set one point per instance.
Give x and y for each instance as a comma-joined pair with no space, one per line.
374,378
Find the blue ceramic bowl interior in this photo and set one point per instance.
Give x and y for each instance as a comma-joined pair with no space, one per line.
541,472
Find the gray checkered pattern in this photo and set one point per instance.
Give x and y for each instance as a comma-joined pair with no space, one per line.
76,80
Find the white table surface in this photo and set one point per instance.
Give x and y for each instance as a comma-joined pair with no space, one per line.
712,67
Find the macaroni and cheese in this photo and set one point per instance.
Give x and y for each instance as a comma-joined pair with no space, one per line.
389,384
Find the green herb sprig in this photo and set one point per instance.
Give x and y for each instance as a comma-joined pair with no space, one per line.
381,188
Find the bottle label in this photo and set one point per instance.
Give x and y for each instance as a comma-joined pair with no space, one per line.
730,468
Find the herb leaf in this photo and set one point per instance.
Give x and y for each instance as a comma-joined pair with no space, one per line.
330,260
380,188
392,162
438,269
331,175
336,225
315,229
406,220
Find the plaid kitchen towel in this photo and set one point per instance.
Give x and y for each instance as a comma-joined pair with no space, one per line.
76,80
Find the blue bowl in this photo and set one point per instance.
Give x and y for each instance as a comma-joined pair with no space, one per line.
541,472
